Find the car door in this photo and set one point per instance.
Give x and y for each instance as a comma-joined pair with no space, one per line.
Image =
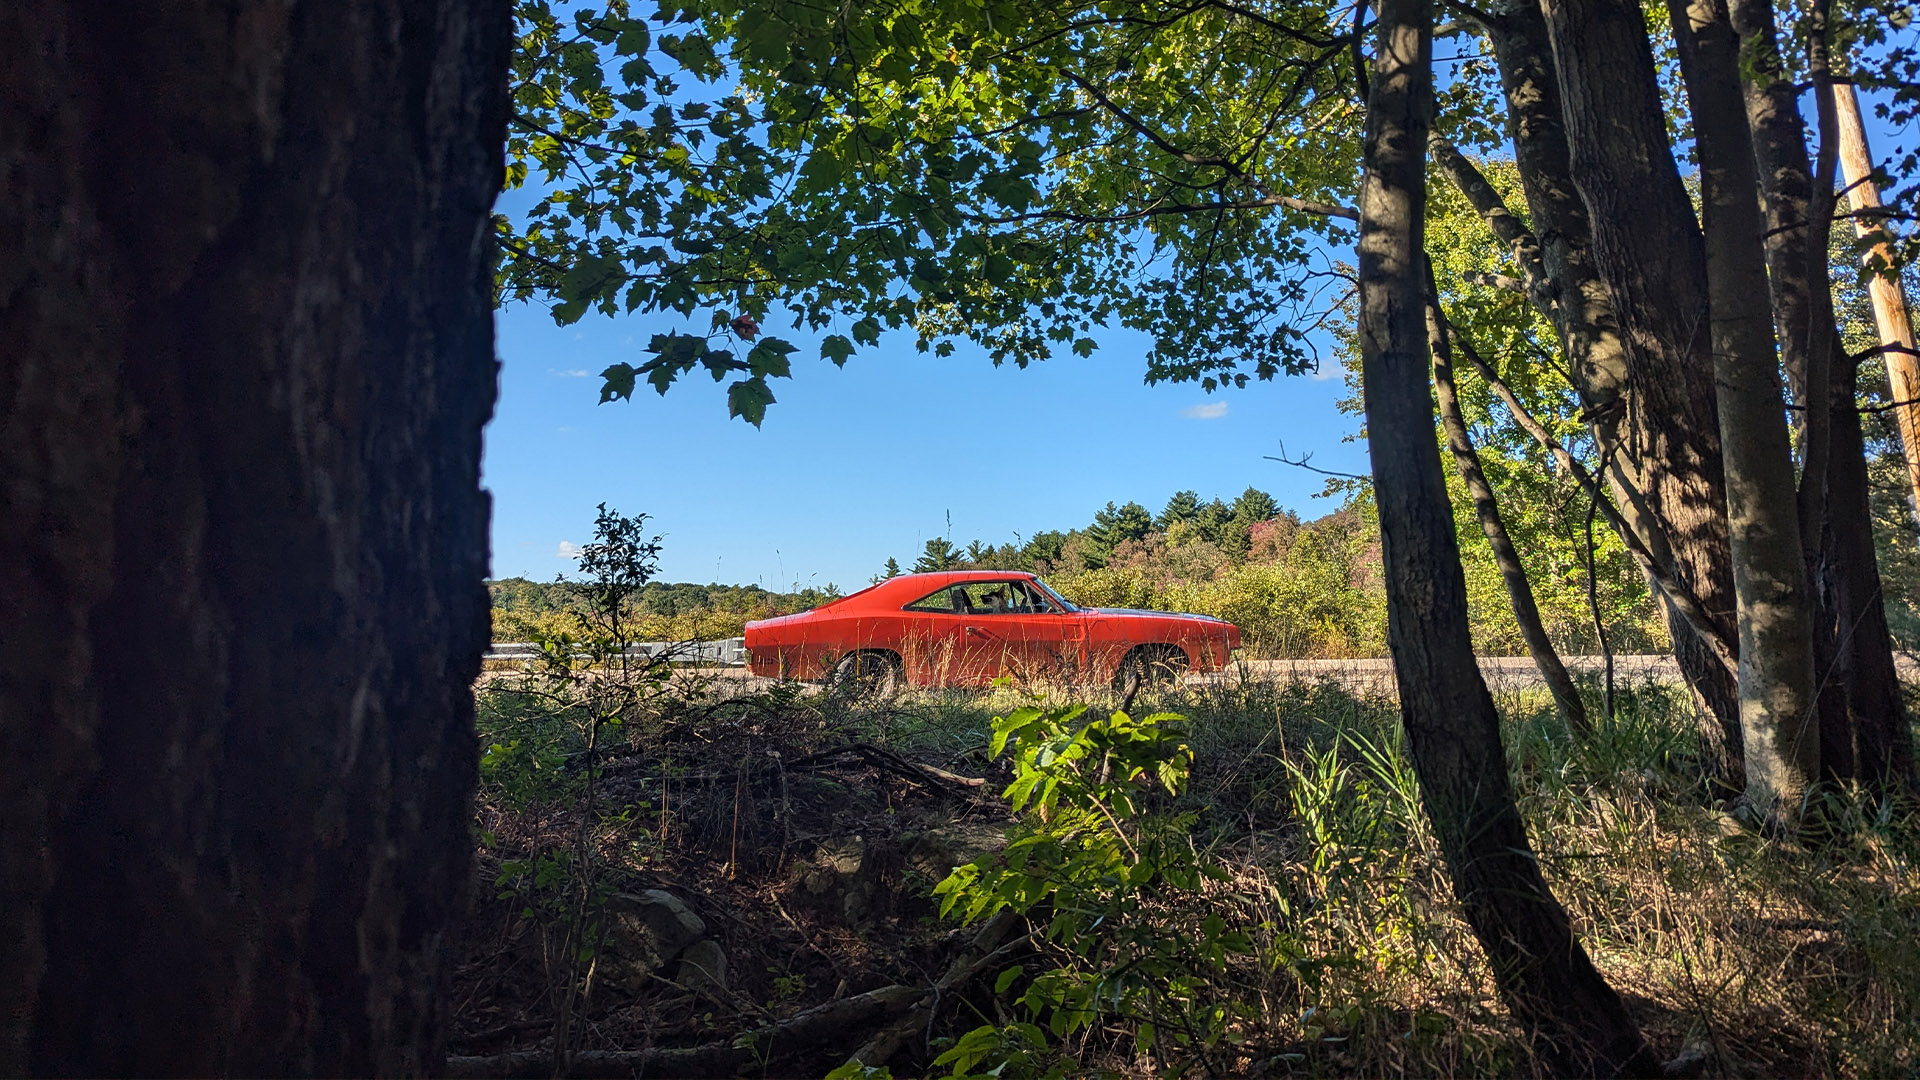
954,639
990,642
1048,639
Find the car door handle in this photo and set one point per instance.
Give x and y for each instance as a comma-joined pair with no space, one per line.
974,631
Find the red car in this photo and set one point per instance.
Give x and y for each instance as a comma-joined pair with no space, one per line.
969,627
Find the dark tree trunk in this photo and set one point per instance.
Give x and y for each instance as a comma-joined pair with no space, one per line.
1863,723
1778,716
1452,729
1486,507
1637,381
247,357
1634,520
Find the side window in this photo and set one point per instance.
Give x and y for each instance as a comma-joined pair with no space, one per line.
981,598
948,601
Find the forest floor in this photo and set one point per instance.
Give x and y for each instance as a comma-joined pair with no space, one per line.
743,884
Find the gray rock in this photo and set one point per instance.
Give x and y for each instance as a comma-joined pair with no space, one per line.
703,966
935,852
643,934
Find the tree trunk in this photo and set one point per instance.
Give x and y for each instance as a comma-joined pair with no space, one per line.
1890,314
1864,730
1486,508
1778,718
247,309
1660,446
1452,729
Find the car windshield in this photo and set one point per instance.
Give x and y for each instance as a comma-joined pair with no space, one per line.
1057,598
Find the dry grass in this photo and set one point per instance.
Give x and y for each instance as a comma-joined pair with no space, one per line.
1768,958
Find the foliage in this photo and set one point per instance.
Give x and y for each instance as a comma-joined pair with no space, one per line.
1110,887
938,555
657,611
544,728
1015,174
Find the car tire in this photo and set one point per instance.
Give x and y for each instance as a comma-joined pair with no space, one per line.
1150,666
866,676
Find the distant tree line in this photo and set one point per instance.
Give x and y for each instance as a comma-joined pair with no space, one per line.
1228,526
676,611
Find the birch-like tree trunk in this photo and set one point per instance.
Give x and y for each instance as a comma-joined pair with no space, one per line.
1777,698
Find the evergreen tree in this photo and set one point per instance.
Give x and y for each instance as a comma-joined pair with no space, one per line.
1254,505
1184,506
1114,526
891,570
1211,519
939,555
1043,547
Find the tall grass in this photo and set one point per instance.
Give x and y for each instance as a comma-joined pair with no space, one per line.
1754,955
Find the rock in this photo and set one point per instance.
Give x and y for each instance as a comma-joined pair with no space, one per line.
643,934
935,852
835,879
703,967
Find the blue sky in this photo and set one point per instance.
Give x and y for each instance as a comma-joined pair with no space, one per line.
856,464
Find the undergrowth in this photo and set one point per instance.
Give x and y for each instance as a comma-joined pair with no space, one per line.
1242,881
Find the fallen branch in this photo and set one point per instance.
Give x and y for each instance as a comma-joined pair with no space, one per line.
802,1031
981,953
820,761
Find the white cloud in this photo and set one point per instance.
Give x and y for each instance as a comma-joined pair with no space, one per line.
570,373
1212,410
567,550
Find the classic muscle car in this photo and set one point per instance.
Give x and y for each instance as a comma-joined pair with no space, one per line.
969,627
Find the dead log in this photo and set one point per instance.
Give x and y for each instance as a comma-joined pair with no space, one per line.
802,1031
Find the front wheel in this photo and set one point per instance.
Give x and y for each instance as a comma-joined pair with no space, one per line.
866,676
1149,665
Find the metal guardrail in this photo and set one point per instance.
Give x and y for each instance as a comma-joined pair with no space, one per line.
728,652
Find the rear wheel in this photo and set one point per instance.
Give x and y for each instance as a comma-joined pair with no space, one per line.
1150,665
866,676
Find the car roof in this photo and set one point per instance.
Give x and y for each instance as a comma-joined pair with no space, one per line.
904,588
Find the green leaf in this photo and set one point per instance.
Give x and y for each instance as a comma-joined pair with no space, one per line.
618,384
1008,978
769,359
633,38
749,399
836,348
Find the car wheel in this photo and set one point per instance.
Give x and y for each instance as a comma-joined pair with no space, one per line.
1149,665
866,676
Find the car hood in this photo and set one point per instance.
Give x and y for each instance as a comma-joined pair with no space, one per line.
1154,614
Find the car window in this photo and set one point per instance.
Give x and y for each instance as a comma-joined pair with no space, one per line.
948,601
983,598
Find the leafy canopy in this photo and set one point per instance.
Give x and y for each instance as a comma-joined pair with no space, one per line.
1004,172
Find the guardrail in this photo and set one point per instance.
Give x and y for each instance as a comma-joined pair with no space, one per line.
728,652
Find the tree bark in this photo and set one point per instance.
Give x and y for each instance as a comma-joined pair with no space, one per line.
1660,445
1661,573
1452,729
247,308
1864,730
1486,508
1890,314
1778,718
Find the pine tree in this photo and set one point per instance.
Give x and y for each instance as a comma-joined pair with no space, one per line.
939,555
1254,505
1183,506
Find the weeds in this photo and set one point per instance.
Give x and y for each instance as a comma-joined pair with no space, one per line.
1253,889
